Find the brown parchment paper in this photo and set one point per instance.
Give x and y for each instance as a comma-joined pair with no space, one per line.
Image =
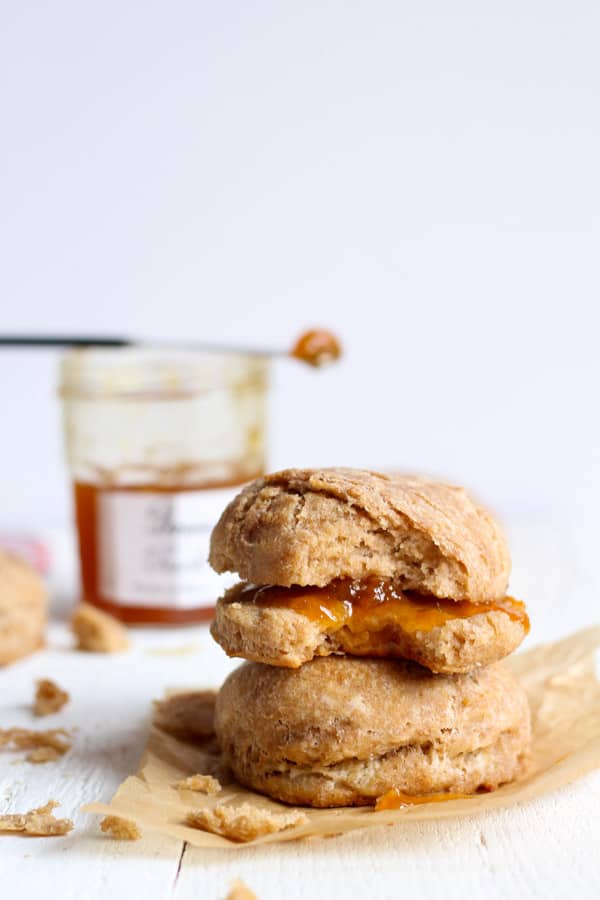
564,695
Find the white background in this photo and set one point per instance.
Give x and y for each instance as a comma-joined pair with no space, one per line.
422,177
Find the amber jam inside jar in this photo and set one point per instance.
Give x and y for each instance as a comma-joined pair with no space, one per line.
93,501
158,443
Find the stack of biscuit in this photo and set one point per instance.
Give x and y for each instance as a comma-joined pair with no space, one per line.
373,614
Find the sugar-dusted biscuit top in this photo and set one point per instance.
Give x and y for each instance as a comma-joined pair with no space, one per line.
23,609
344,731
310,526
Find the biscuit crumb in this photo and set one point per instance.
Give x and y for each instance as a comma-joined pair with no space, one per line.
120,829
43,755
243,823
49,698
97,632
240,891
188,716
40,822
45,746
205,784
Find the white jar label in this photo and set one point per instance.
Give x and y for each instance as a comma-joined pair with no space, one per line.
153,547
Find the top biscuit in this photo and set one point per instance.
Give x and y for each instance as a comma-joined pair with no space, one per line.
310,526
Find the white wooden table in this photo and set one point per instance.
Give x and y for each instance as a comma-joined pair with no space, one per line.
547,848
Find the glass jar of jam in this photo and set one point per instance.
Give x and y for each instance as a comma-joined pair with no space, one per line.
158,441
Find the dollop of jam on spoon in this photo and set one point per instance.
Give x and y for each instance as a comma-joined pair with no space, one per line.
317,348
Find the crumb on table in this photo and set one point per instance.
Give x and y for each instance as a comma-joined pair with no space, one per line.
97,632
49,697
44,746
38,822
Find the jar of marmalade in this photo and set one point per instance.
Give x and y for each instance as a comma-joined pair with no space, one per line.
158,441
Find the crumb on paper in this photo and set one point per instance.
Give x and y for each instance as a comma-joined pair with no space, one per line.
189,715
205,784
245,822
240,891
44,746
120,829
38,822
97,632
49,698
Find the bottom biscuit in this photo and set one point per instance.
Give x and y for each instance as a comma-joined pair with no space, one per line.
343,731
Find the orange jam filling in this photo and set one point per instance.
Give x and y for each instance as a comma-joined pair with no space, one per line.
374,604
394,799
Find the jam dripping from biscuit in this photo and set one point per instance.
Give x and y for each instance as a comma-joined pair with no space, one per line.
395,799
372,604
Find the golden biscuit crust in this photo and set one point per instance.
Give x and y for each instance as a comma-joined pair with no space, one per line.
343,731
23,609
310,526
279,636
